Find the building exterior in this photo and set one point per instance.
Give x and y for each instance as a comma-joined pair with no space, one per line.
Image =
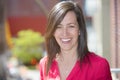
115,34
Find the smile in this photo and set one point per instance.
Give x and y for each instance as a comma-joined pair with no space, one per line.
65,40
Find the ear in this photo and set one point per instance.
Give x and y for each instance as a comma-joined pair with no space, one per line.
79,32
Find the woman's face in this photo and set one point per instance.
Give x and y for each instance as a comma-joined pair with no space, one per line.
67,32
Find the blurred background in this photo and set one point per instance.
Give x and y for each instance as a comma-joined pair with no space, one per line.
22,29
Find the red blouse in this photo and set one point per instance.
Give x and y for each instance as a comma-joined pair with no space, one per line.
97,69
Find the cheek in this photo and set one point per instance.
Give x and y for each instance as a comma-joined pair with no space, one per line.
76,33
56,33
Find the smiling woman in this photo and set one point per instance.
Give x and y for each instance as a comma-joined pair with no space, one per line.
67,32
67,50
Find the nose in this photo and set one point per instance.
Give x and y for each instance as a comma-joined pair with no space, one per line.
65,31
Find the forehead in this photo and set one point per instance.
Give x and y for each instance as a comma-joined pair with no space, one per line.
70,17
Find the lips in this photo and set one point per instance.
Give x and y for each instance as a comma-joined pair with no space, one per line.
67,40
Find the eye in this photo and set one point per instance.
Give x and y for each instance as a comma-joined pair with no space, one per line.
72,26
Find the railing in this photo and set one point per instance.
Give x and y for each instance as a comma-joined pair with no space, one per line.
115,71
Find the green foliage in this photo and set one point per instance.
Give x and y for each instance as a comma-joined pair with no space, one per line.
27,47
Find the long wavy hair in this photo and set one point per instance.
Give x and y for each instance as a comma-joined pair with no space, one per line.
55,17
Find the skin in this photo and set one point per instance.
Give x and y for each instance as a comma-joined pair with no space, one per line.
66,35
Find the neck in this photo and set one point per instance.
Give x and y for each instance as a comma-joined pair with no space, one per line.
68,55
66,61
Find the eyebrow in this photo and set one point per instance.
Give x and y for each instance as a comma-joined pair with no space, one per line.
69,24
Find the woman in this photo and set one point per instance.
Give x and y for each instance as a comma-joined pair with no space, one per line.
68,57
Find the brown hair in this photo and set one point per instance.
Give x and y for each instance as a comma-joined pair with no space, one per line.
56,15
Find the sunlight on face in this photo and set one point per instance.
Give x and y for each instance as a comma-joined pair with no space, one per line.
67,32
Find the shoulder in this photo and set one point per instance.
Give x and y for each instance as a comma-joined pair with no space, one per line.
98,62
101,66
42,67
96,58
42,63
43,60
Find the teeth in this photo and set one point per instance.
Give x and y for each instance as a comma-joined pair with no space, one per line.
65,39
